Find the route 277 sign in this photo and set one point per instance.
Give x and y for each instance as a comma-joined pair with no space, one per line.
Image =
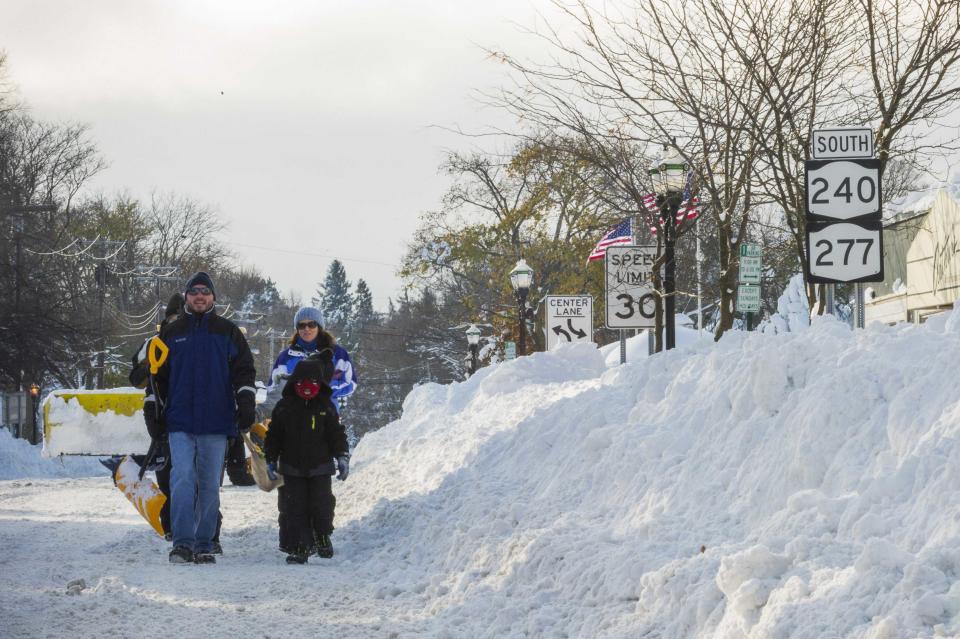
569,319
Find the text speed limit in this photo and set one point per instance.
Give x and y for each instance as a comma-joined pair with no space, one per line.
845,252
630,295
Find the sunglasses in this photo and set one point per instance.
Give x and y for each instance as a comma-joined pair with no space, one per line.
199,290
303,325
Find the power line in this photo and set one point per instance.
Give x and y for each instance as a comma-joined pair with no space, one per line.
335,257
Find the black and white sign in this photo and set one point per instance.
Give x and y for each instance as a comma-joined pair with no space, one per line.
841,143
569,319
631,297
843,189
845,252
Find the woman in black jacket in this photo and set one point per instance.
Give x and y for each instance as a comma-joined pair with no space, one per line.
306,443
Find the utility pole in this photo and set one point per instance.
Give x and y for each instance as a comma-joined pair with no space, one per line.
19,211
156,274
101,275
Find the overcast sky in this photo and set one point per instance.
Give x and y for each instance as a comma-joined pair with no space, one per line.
309,125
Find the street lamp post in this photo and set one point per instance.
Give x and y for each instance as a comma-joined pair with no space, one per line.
521,277
32,415
473,340
669,176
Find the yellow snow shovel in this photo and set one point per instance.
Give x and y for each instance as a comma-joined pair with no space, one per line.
258,463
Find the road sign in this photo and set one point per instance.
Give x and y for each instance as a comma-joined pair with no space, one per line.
569,318
748,298
750,249
841,143
845,252
750,263
843,189
631,297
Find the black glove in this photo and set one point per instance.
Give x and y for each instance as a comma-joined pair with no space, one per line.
246,412
343,467
155,425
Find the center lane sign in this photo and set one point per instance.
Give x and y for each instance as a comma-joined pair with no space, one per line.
569,319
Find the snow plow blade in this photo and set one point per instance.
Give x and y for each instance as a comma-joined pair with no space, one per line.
258,464
94,422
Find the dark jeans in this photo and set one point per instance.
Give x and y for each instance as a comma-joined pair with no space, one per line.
306,506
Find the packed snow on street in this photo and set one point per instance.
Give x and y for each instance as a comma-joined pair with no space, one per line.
778,484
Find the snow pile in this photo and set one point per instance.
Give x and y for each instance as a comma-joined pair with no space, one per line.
20,460
793,310
802,484
638,346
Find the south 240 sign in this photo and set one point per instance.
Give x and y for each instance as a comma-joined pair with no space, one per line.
844,230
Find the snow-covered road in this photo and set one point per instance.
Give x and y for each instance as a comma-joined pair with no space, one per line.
56,531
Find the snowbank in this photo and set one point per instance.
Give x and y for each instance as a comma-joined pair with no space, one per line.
21,460
799,484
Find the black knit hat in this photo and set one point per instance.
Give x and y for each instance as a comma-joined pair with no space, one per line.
200,279
318,366
174,305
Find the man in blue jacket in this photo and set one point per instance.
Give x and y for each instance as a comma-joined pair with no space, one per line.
206,386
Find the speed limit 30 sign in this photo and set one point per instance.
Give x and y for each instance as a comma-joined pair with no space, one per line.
630,294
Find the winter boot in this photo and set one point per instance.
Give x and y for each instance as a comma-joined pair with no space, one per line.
324,547
181,555
296,559
217,549
204,558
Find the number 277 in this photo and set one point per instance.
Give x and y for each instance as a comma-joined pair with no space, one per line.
827,247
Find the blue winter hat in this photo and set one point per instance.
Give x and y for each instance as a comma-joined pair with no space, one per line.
306,314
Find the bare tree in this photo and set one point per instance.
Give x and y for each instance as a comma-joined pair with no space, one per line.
184,233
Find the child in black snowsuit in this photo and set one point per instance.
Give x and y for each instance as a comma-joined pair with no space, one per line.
307,444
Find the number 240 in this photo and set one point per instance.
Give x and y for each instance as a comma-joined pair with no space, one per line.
828,248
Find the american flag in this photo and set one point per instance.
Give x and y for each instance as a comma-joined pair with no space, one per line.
689,208
621,234
650,202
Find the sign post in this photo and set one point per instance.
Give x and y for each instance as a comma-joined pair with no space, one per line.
569,318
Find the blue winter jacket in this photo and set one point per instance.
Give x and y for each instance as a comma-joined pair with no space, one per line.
344,380
208,372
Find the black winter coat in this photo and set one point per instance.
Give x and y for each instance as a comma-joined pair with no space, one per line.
305,436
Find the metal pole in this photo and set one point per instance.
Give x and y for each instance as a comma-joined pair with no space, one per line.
829,292
623,346
861,315
522,341
473,358
669,284
101,337
699,289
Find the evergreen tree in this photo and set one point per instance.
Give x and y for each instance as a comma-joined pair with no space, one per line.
362,314
335,300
